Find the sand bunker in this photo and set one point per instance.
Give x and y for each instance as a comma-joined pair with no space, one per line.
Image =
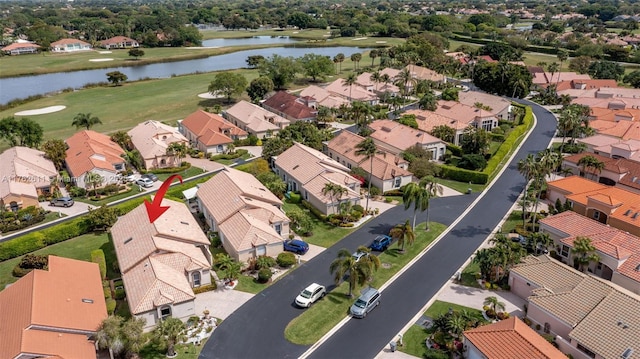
104,52
40,111
359,38
100,60
381,42
209,96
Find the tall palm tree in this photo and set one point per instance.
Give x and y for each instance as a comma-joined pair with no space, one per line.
563,55
373,54
487,259
133,332
528,167
170,331
85,120
123,139
584,252
508,253
404,234
356,60
334,191
345,265
494,303
368,149
376,77
108,335
593,164
416,195
339,58
433,190
93,180
350,81
553,69
405,81
324,114
178,150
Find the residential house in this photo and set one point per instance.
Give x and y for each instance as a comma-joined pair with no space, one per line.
152,138
20,48
351,93
497,105
425,74
507,339
255,120
323,97
246,216
119,42
470,115
364,80
619,251
53,313
569,305
69,45
544,78
603,145
581,85
161,262
609,205
25,175
291,107
90,151
394,138
308,171
209,132
386,171
621,172
429,120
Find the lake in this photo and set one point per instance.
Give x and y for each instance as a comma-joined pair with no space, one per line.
21,87
256,40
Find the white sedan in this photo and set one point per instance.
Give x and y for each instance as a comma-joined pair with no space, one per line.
310,295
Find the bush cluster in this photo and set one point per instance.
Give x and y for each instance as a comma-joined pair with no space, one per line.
286,259
462,175
97,256
229,156
204,288
28,263
316,212
264,275
510,142
184,166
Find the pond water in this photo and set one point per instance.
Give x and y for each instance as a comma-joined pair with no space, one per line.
21,87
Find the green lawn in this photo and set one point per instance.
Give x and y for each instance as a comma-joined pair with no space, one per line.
104,200
246,156
468,276
461,187
324,234
51,216
515,218
414,338
76,248
316,321
185,351
189,172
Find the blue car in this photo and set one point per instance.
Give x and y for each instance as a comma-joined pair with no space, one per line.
296,246
380,243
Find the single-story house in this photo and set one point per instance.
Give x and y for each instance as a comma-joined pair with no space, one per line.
161,262
25,174
291,107
19,48
322,97
255,120
246,216
151,139
389,171
91,151
308,171
470,115
394,138
69,45
352,93
119,42
209,132
498,105
53,312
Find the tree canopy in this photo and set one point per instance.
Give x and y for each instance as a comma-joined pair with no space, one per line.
228,84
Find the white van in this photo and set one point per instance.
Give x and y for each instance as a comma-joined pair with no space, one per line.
369,299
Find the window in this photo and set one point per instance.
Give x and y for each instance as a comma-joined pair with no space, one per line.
261,250
278,228
349,165
163,162
165,312
196,279
570,204
396,182
596,215
564,251
589,353
220,148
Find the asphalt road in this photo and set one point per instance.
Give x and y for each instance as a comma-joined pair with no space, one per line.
256,330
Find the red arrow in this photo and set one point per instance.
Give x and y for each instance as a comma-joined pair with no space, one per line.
155,210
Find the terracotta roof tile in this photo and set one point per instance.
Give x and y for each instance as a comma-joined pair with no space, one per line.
89,150
496,103
69,42
323,97
152,138
631,268
352,93
523,342
284,102
24,170
211,129
20,45
117,40
255,118
399,136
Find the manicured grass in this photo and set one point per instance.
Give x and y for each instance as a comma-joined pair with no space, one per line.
324,234
104,200
76,248
51,216
189,172
515,218
251,285
246,156
185,351
468,276
461,187
439,307
316,321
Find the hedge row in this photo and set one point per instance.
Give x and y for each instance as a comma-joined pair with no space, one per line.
455,150
510,142
462,175
316,212
185,165
230,156
97,256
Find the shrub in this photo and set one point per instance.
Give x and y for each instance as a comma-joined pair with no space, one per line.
316,212
346,225
509,143
184,166
497,137
286,259
120,293
455,150
358,208
107,292
204,288
265,262
487,285
22,245
111,306
294,197
538,326
264,275
393,192
472,162
77,192
375,191
97,256
462,175
231,156
527,321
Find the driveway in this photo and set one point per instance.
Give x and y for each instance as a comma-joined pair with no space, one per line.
221,302
474,298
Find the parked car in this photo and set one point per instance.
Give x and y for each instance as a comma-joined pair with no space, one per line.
150,176
130,178
358,255
296,246
144,182
62,202
380,243
369,299
310,295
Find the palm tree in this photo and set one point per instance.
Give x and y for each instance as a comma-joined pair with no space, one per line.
405,81
584,252
178,150
553,68
494,303
324,114
368,149
335,191
356,60
433,190
404,234
339,58
345,265
417,195
93,180
428,101
593,164
373,54
123,139
133,332
350,81
170,331
508,253
108,335
528,167
456,324
85,120
563,55
487,259
376,77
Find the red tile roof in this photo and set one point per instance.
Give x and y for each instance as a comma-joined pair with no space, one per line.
289,105
211,129
511,338
117,40
89,150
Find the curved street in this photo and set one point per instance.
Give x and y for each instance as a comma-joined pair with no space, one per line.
256,330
